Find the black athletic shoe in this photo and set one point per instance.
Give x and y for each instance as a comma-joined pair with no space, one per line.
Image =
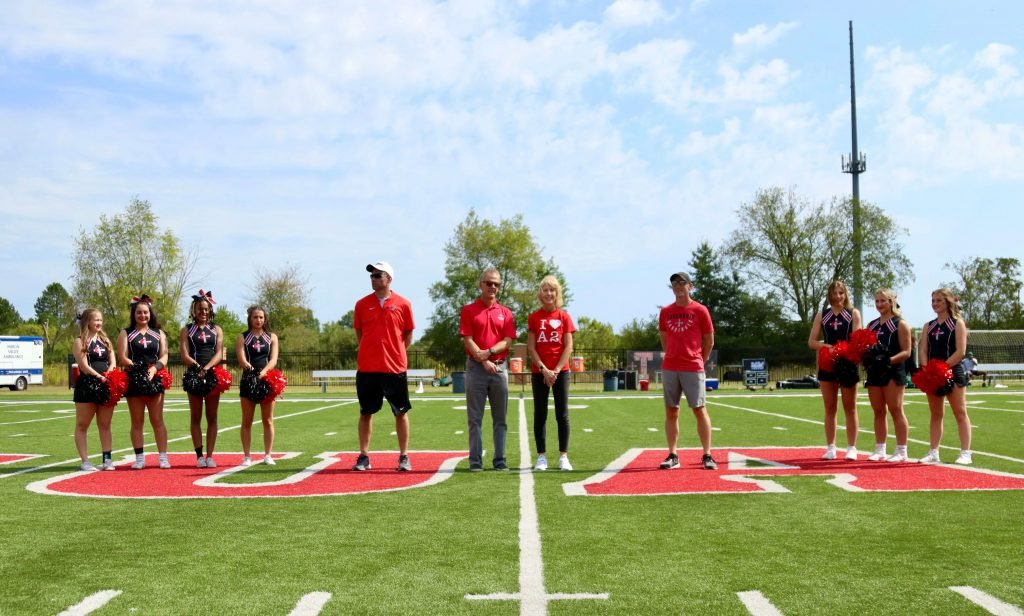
476,466
362,464
671,461
501,466
403,463
709,462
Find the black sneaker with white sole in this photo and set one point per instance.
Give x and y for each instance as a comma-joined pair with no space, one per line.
671,461
404,464
709,462
362,463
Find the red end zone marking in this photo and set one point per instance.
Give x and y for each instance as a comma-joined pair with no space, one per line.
331,475
744,470
11,458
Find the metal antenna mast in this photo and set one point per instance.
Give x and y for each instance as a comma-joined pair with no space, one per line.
855,164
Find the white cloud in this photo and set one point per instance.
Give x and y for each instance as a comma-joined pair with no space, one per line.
761,36
630,13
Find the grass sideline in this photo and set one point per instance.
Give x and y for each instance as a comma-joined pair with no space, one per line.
817,549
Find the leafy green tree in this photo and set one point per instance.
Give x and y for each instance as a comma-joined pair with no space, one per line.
9,317
476,245
284,295
640,334
128,254
232,325
597,342
55,314
989,291
792,248
339,337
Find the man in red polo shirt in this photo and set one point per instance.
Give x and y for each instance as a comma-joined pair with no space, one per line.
687,337
384,325
487,329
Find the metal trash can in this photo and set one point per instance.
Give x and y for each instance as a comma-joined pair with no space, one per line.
458,382
611,383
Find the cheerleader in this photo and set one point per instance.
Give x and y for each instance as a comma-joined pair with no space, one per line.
256,349
92,397
549,344
142,350
945,338
887,375
837,319
202,348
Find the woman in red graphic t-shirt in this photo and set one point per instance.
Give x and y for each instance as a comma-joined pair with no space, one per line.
549,343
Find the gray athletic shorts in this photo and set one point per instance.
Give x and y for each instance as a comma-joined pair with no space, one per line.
678,383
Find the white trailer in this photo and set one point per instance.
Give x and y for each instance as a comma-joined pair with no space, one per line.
21,362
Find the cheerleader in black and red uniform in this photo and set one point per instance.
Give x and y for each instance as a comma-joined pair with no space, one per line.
887,375
92,352
945,338
836,321
142,350
202,349
256,349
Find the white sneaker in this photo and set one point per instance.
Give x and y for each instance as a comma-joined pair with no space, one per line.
140,461
210,463
163,461
87,466
269,461
542,463
899,456
830,453
108,465
964,458
931,458
201,462
564,464
851,454
247,461
878,456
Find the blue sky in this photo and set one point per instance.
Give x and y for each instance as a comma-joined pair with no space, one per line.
331,134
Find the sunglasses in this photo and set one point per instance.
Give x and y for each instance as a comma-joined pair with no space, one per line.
491,283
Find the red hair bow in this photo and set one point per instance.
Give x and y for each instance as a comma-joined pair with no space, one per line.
144,299
208,296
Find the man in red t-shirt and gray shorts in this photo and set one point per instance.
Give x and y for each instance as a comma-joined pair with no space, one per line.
384,326
687,337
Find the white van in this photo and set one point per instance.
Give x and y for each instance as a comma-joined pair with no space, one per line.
21,362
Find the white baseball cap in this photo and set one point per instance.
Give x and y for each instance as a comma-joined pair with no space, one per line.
382,266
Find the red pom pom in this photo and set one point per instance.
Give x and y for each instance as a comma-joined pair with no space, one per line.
165,378
277,382
860,341
935,375
117,384
223,379
840,350
825,360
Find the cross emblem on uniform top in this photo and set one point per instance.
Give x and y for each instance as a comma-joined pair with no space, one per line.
836,324
258,346
203,336
937,333
144,342
99,350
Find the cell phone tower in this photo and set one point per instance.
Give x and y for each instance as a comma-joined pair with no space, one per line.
855,164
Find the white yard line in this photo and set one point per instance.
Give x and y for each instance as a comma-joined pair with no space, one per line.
311,604
174,440
864,431
91,603
533,599
758,604
987,602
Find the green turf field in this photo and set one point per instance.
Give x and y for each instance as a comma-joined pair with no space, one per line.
512,542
